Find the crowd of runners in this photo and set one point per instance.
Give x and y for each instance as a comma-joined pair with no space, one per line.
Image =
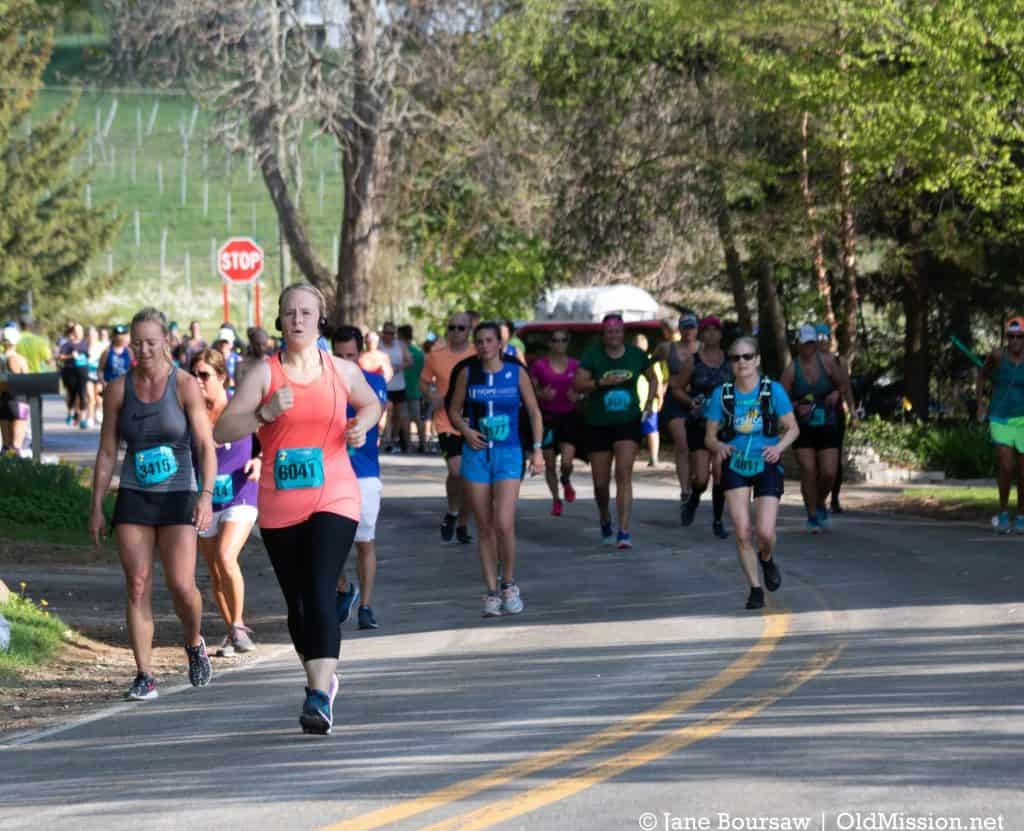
285,433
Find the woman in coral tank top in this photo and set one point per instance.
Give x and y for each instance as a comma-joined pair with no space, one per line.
308,494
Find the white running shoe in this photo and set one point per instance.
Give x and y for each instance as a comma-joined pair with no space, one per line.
511,602
492,605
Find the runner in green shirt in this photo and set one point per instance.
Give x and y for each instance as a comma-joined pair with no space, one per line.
412,384
36,350
608,375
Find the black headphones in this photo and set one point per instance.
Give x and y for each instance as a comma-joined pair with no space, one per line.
322,323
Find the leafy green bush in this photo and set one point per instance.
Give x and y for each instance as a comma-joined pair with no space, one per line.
961,450
36,633
49,498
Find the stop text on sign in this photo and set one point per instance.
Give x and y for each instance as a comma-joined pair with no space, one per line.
240,260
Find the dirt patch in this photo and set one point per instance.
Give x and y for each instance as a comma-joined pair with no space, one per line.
85,587
928,507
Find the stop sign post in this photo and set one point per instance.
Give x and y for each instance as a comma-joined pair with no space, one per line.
240,261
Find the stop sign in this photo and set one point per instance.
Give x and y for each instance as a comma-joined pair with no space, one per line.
240,260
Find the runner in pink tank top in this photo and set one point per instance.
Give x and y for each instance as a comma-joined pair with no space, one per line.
308,496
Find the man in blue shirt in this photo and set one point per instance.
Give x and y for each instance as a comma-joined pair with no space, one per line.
347,344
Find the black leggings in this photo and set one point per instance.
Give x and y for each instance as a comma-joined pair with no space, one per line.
76,380
308,559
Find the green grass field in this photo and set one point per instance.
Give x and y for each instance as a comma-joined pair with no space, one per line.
126,172
36,634
982,500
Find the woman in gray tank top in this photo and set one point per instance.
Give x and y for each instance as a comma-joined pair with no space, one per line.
159,412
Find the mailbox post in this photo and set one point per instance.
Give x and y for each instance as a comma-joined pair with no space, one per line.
34,385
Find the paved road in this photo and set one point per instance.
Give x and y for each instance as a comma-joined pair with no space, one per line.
633,692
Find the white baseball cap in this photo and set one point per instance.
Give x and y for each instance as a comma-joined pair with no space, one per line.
807,334
11,335
226,334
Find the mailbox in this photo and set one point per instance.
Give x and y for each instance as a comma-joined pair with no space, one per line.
34,385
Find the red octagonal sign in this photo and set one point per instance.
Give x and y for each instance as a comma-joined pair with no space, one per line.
240,260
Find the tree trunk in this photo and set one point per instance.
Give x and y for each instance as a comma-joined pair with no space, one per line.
817,237
849,343
292,225
771,318
916,351
361,159
719,200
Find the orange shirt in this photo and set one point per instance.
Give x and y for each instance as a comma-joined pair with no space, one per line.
316,419
437,370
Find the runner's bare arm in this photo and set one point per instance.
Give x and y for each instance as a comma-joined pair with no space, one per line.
106,457
199,422
719,449
788,423
473,438
787,379
652,389
841,378
679,382
984,372
239,418
583,381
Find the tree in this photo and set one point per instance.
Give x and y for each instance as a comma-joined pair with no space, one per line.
47,233
273,71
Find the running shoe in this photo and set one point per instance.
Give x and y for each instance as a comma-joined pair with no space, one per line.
200,670
462,535
70,419
366,618
317,713
836,507
241,638
624,540
511,602
1018,525
143,688
755,599
346,600
556,507
824,521
812,525
770,572
84,424
1001,523
607,534
718,529
570,491
226,648
492,605
687,510
448,527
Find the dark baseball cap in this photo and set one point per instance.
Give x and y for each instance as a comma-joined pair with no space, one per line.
120,329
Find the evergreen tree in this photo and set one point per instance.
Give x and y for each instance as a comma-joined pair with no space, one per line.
47,234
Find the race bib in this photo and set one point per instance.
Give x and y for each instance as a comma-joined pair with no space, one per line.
155,465
223,489
616,401
817,417
81,359
746,465
495,428
299,467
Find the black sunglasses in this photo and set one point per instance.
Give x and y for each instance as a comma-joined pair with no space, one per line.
743,356
203,376
455,327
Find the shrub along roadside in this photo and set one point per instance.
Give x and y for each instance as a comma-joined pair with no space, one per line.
961,450
36,634
48,503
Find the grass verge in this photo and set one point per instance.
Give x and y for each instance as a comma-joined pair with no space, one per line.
36,634
950,503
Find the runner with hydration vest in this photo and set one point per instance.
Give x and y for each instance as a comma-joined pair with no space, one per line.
745,417
815,382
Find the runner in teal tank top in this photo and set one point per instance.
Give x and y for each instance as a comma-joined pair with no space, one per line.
815,382
1005,369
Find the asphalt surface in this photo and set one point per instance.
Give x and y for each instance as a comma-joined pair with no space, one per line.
883,685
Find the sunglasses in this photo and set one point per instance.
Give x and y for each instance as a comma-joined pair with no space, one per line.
743,356
455,327
203,376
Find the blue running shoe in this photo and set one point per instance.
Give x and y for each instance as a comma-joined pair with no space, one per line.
1018,524
718,529
346,600
813,526
824,521
366,618
317,713
1001,523
607,534
624,540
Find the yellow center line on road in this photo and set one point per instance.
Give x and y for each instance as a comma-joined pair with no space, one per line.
559,789
776,625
